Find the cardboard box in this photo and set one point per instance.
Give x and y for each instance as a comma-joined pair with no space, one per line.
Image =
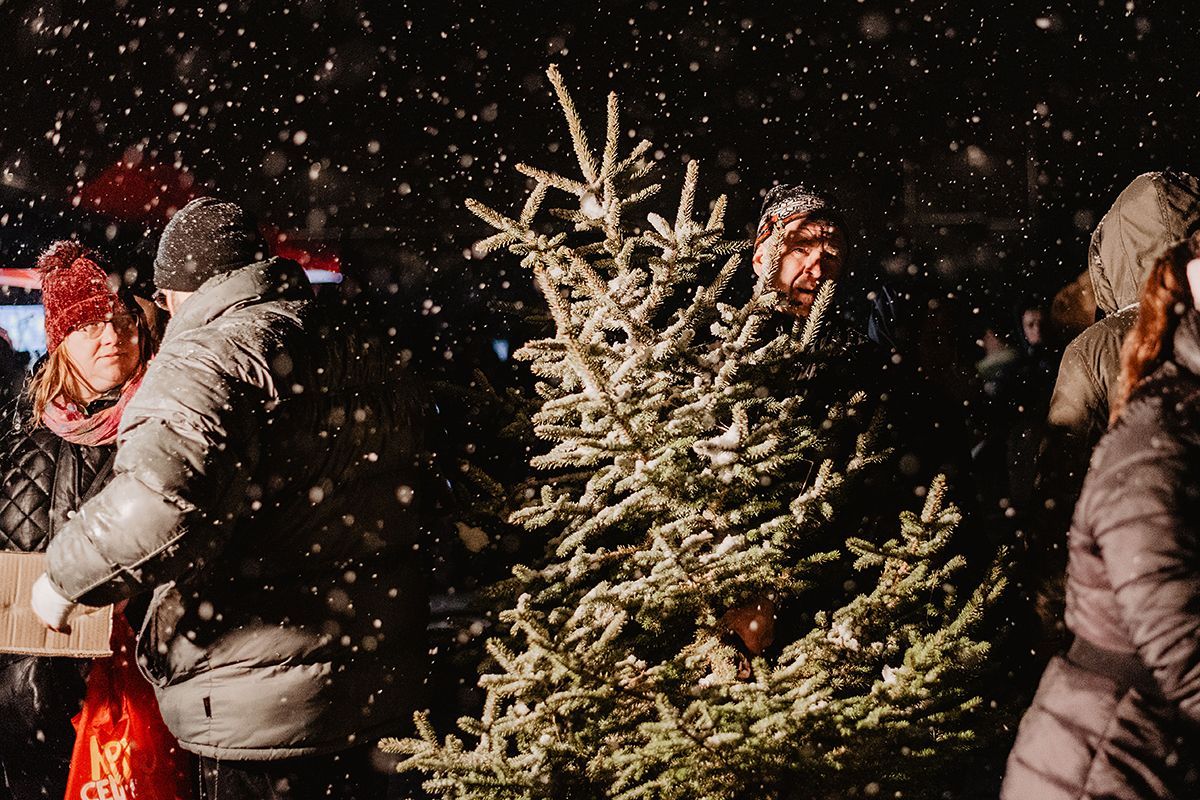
22,631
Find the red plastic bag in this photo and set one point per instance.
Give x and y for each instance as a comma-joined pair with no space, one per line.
123,750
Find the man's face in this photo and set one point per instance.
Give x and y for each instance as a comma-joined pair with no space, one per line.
812,253
1031,323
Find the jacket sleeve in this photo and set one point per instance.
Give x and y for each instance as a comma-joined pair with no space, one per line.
1074,424
188,445
1076,420
1143,512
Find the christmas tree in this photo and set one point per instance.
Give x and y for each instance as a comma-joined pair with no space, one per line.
701,470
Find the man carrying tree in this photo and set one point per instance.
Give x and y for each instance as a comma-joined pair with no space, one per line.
812,242
924,427
689,461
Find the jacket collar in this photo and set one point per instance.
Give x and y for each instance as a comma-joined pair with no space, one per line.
1187,342
265,281
102,402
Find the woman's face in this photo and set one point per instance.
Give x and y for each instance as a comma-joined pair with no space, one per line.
105,353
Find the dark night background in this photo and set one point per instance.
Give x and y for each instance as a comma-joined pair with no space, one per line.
976,145
973,147
973,150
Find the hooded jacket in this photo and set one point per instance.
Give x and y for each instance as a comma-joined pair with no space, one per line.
1153,211
1133,597
263,489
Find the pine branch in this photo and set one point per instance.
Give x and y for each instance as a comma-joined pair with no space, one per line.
687,198
532,204
716,218
553,179
583,152
631,161
598,287
816,315
612,137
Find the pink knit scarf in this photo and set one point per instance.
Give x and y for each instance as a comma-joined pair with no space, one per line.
69,422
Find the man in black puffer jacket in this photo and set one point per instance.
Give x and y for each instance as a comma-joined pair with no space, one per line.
263,490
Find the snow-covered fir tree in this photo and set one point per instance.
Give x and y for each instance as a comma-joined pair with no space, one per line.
701,470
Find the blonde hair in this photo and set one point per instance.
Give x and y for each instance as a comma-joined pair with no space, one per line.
59,376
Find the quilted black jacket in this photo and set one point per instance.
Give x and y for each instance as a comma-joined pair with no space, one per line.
43,479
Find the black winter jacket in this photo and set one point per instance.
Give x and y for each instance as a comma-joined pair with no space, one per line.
43,479
1126,723
264,489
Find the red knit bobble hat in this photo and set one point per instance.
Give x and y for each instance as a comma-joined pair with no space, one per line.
75,290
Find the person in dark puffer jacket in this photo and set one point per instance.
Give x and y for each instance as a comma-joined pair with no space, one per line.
1118,715
264,490
58,449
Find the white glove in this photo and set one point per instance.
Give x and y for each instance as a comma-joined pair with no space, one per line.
49,604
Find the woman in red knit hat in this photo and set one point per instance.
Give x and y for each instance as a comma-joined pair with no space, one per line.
59,450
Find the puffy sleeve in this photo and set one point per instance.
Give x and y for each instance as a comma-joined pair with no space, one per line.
1075,422
189,442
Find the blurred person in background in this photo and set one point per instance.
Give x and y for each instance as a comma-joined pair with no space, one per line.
1015,380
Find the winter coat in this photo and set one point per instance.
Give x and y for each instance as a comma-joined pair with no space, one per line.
263,490
1118,716
43,479
1153,211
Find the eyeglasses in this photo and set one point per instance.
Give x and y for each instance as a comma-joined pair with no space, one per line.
160,299
123,325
